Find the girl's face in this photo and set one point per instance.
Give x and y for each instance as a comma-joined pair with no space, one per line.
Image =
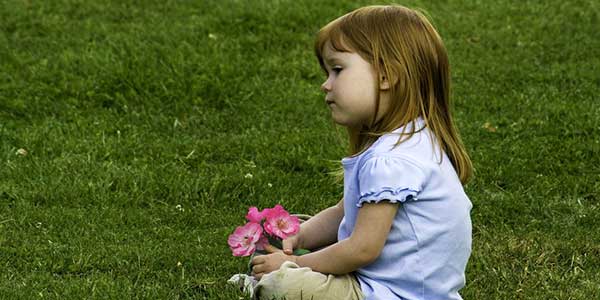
350,88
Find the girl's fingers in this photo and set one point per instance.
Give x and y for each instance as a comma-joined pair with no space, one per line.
271,249
257,260
257,276
256,269
288,246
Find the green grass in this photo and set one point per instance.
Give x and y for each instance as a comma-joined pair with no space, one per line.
127,110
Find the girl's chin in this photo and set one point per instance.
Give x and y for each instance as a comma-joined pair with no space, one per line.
336,118
341,121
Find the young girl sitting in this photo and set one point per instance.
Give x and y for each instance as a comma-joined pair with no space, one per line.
402,229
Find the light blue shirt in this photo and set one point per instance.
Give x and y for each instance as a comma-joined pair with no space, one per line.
427,249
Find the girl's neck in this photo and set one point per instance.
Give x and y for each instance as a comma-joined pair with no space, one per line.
352,132
356,136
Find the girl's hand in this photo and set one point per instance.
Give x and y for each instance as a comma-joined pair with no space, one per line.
290,244
265,264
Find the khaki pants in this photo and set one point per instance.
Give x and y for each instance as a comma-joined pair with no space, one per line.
291,282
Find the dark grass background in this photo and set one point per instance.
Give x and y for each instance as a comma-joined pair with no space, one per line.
150,126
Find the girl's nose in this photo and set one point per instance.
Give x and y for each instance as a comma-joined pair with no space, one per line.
326,86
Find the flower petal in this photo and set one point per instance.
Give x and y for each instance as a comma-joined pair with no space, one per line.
254,215
242,241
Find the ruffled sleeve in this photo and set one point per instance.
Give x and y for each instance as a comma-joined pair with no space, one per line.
395,179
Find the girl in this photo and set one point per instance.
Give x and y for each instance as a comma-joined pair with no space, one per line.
402,229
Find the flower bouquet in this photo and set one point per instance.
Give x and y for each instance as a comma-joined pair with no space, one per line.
269,226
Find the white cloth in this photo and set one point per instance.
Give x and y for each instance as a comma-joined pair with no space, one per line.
245,282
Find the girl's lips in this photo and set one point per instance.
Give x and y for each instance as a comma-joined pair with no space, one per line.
329,102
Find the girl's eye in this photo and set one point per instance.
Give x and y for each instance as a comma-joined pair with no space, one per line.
336,70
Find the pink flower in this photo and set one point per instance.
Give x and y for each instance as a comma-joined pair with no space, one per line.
262,242
243,241
254,215
280,223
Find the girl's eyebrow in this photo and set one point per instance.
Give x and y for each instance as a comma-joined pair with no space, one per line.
332,60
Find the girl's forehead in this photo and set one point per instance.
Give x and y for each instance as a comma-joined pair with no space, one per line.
330,53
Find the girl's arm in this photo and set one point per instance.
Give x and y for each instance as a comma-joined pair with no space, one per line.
321,230
373,225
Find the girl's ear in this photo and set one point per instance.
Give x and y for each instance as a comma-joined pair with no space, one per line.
385,82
